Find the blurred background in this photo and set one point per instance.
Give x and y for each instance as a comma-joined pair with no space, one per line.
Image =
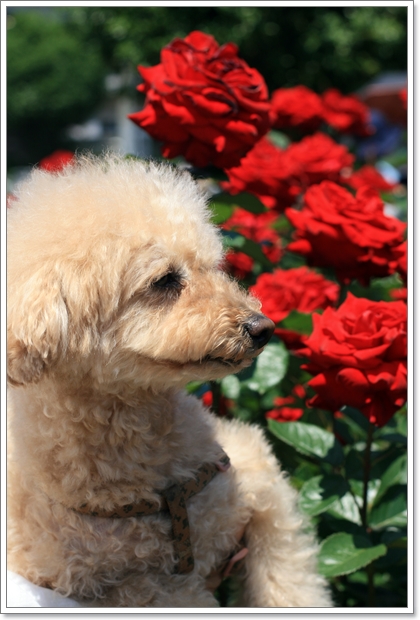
72,71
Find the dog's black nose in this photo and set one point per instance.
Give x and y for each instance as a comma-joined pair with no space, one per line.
260,328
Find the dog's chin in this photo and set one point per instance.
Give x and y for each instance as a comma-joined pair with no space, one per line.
212,362
235,363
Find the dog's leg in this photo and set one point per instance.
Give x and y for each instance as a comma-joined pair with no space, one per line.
280,568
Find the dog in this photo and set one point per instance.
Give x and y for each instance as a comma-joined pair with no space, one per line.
116,300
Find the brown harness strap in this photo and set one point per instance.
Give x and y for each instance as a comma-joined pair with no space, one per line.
174,500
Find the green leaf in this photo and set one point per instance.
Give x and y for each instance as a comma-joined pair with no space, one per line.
220,212
341,554
237,241
394,537
279,139
298,321
391,510
346,508
193,386
355,416
231,386
393,438
401,420
343,431
318,493
395,474
270,368
357,487
304,471
244,199
308,439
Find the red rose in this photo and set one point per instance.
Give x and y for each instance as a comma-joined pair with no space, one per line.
402,261
277,177
401,293
203,102
56,161
258,229
224,404
299,289
346,113
292,340
368,175
358,355
283,413
403,97
238,264
318,158
296,107
349,233
268,173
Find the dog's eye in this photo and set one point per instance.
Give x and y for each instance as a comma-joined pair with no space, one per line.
169,280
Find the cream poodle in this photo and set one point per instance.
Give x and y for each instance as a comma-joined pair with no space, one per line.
119,492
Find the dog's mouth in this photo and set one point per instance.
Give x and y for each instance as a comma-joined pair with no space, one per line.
230,362
233,363
221,360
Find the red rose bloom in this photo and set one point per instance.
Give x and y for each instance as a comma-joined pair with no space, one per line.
238,264
296,107
292,340
284,413
403,97
258,229
368,175
358,355
346,113
224,404
318,158
349,233
401,293
299,289
268,173
203,102
56,161
277,177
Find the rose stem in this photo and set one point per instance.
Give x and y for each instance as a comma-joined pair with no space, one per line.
366,476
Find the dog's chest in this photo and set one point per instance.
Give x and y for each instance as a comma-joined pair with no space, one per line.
147,543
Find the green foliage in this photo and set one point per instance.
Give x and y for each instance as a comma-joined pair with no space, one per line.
239,242
351,476
342,554
54,78
332,488
308,439
326,46
320,492
269,368
57,57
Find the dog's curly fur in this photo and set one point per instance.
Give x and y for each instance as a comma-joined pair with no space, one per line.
116,301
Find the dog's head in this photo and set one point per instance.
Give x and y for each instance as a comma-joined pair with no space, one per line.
115,275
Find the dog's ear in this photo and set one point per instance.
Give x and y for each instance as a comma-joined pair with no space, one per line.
37,323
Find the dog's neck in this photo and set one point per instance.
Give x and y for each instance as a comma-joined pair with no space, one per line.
81,439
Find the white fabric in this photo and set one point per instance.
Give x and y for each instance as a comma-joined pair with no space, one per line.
23,593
